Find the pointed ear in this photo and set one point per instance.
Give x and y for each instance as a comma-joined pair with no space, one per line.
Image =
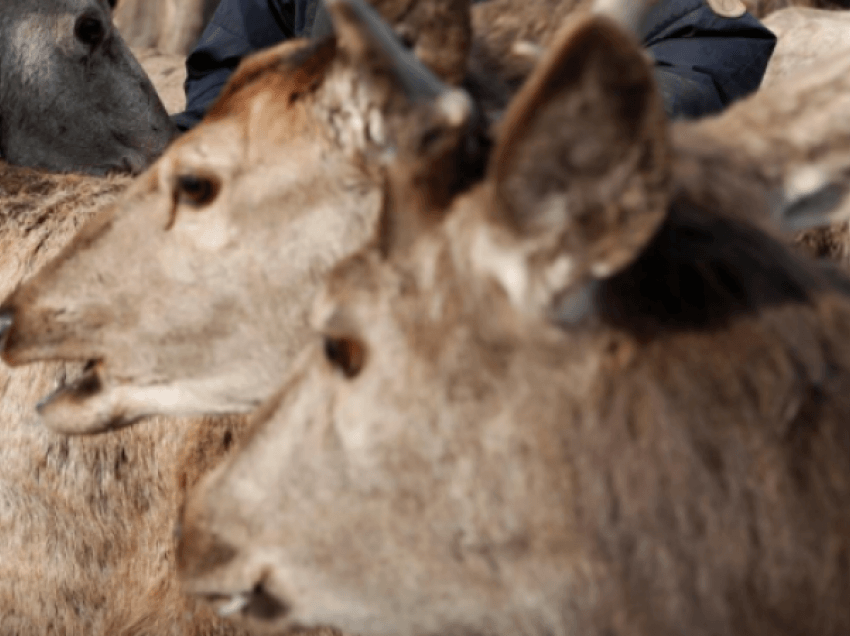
581,167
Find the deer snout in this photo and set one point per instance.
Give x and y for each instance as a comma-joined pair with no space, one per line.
222,574
214,570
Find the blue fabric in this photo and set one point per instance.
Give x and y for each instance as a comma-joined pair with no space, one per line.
703,62
236,29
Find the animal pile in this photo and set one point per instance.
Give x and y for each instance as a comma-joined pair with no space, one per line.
368,351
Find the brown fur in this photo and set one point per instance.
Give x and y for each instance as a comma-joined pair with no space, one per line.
87,524
656,446
792,125
316,110
321,111
508,32
438,33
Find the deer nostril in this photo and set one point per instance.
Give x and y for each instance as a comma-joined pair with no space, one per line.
7,318
263,605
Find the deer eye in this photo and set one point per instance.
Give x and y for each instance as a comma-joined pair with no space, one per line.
195,190
112,4
345,354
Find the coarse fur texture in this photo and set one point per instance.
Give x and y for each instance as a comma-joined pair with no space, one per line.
87,524
287,177
72,96
792,139
510,36
583,403
290,162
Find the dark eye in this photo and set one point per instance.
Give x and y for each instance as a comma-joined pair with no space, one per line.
112,3
195,190
346,354
89,30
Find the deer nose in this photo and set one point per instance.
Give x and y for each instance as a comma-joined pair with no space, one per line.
7,317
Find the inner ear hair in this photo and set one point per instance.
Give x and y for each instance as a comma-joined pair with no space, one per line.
590,106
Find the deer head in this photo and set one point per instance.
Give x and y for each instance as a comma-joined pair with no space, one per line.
72,96
192,293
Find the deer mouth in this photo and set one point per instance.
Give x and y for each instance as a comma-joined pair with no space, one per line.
83,404
257,605
86,384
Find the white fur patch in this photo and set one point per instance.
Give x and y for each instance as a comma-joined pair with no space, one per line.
455,106
529,291
602,269
27,38
508,267
527,48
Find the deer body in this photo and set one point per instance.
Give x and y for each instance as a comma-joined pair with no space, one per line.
573,399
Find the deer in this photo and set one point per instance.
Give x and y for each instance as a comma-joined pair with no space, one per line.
87,523
571,398
265,216
98,512
74,99
790,139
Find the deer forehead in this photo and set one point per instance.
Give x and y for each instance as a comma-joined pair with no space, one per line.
218,147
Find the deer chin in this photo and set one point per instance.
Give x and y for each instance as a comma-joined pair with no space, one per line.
259,608
95,403
244,590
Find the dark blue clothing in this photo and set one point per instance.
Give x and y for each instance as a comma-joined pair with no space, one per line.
236,29
703,62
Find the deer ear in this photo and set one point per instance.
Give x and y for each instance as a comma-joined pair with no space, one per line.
581,167
578,182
